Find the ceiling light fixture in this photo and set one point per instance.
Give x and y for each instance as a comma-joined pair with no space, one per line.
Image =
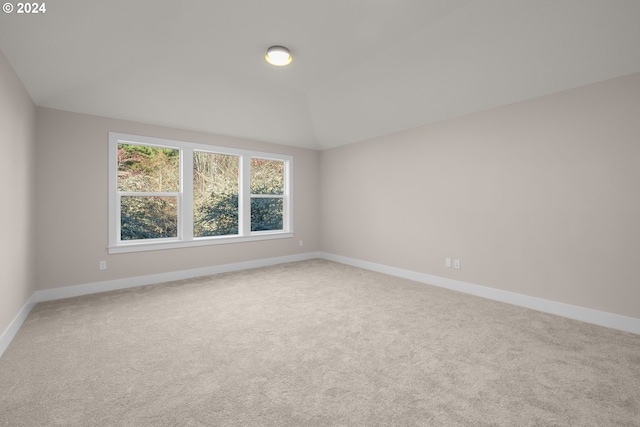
278,55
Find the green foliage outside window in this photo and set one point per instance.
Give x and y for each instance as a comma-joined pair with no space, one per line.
148,169
148,217
266,214
215,194
267,178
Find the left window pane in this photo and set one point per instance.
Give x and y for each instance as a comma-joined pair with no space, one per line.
148,169
148,217
148,187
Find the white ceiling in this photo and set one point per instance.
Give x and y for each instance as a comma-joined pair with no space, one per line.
361,68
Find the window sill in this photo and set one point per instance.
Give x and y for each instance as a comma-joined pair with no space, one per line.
202,241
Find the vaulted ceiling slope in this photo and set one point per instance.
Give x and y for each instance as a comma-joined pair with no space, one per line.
361,68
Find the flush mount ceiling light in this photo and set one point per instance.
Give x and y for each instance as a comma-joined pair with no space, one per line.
278,55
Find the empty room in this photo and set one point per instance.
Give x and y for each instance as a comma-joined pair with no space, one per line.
332,213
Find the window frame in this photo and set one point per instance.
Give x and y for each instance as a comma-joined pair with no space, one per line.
185,237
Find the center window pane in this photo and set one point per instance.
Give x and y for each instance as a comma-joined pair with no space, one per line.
215,194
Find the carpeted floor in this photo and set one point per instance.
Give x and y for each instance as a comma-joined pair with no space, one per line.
312,343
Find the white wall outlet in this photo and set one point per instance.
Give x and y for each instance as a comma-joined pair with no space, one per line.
447,262
103,265
301,243
456,264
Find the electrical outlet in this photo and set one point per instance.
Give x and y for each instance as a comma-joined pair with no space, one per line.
103,265
456,264
447,262
301,243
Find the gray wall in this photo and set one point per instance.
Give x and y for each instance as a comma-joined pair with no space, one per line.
17,141
72,204
539,198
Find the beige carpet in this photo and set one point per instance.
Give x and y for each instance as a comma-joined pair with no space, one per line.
313,343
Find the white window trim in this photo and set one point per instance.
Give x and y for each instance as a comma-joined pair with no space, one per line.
185,197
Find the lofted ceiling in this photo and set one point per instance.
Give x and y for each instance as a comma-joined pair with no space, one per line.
361,68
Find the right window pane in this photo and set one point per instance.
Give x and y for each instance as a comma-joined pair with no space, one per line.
267,176
267,194
266,213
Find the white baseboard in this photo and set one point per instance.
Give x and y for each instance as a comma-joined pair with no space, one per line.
601,318
14,326
132,282
610,320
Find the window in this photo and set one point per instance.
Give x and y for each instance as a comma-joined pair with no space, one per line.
148,190
215,194
267,194
168,194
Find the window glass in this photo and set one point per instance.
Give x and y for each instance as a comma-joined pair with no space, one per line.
148,169
215,194
267,176
148,217
266,213
267,192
